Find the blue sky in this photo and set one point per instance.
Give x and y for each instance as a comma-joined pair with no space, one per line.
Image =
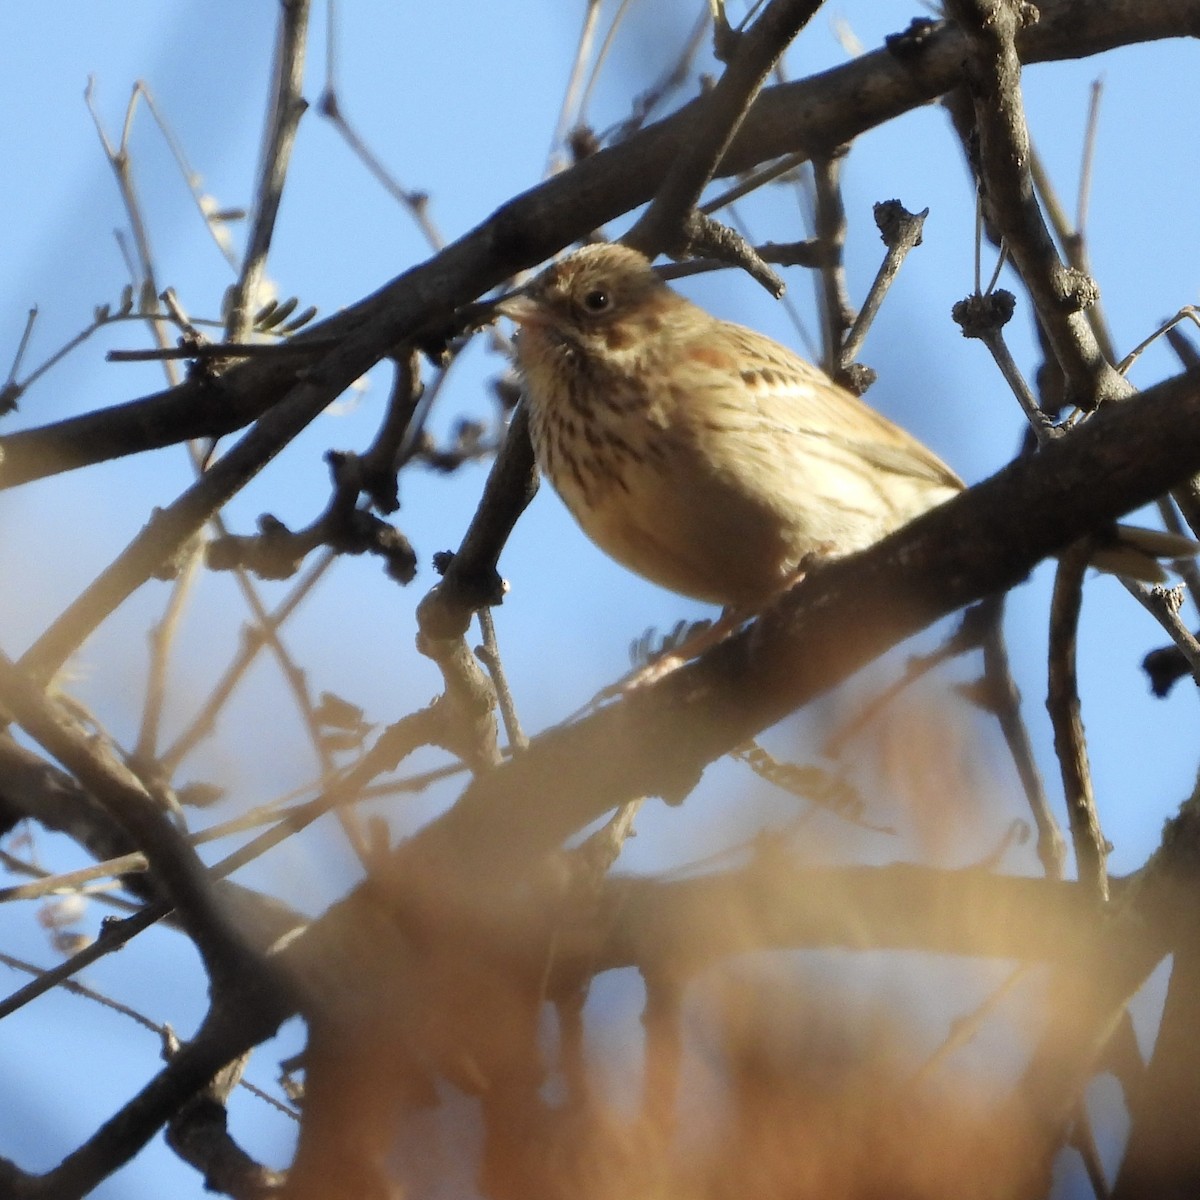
460,100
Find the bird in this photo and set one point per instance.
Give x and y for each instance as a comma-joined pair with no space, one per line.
705,456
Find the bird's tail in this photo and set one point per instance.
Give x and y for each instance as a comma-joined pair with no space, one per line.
1137,553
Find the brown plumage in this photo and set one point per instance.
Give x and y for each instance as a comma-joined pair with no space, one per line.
698,453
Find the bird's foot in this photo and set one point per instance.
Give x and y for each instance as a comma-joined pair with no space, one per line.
668,662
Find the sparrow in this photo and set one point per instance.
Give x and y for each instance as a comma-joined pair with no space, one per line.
709,458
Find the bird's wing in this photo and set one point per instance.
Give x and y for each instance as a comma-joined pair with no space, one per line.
799,399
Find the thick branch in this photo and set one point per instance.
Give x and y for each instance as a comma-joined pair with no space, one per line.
682,926
658,740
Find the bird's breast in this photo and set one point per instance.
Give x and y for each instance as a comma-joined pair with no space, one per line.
647,494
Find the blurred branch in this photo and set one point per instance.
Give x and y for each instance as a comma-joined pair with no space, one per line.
1005,702
162,638
176,868
474,879
686,926
573,90
1162,1157
254,637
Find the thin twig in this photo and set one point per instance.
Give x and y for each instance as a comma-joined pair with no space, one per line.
211,218
963,1029
601,59
833,293
725,108
1062,702
11,389
1163,606
69,883
583,49
113,935
14,389
901,232
118,159
1005,703
330,107
87,993
1089,156
162,636
489,655
755,180
1189,312
287,107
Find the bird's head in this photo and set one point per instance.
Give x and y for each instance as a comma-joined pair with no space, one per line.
600,300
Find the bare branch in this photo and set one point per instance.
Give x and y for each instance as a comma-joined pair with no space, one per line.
287,107
1062,702
827,110
724,110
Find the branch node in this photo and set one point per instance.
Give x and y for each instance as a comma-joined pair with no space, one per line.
911,44
983,316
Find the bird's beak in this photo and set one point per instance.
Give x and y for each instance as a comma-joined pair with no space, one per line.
522,310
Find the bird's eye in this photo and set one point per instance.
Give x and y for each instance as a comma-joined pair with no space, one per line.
597,300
